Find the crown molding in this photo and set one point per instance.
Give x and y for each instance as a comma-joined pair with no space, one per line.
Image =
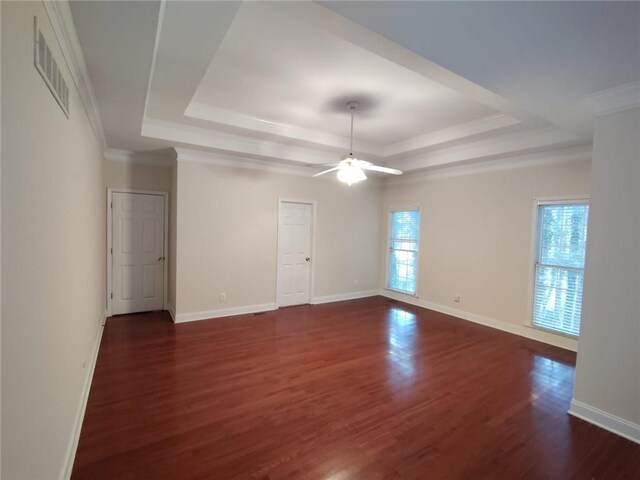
223,160
616,99
150,159
64,29
231,144
488,124
580,153
156,44
256,153
503,146
230,161
456,133
230,118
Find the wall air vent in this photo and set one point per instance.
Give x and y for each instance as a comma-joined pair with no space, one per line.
48,68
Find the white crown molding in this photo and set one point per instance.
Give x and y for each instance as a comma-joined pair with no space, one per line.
229,161
580,153
235,120
616,99
519,143
227,143
222,160
608,421
64,29
156,44
230,118
257,153
151,159
491,123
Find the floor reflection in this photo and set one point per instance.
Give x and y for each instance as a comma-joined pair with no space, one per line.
550,379
401,336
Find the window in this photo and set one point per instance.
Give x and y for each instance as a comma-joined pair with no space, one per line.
559,268
403,250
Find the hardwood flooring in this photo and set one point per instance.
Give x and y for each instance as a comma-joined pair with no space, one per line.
365,389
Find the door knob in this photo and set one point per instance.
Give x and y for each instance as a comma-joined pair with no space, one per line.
160,259
307,259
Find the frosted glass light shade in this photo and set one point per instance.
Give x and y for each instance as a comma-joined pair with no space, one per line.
351,174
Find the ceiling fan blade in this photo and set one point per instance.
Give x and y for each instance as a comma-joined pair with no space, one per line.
326,171
376,168
316,165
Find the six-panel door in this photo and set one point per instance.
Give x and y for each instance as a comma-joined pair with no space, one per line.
138,253
294,253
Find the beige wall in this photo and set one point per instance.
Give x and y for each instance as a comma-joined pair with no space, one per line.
227,235
151,178
53,243
476,234
139,177
608,368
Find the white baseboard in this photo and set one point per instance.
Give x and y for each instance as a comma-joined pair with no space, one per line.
224,312
344,296
172,312
522,330
73,443
605,420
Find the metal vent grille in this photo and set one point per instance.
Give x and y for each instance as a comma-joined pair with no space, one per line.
48,68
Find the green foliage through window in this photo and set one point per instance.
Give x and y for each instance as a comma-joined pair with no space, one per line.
403,250
562,238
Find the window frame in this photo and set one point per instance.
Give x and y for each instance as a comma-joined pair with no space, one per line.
390,213
535,252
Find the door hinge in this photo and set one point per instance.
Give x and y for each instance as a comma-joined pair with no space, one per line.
112,251
111,205
111,295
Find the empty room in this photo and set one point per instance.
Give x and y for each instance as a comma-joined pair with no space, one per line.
324,240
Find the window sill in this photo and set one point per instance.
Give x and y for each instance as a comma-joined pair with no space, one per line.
553,332
408,294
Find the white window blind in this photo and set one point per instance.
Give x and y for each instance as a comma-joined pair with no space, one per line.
403,250
559,272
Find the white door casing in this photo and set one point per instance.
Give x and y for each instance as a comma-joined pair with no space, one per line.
138,252
294,253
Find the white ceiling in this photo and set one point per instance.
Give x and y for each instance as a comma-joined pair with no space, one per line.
441,83
274,68
117,40
546,56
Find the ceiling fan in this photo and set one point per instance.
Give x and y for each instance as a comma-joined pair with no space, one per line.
350,169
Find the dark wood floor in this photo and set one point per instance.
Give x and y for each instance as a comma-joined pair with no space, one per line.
366,389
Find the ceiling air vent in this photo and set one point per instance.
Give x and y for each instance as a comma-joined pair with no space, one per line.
48,68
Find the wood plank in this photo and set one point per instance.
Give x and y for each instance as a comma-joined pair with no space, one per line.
363,389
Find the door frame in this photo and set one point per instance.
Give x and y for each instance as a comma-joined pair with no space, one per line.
109,252
312,204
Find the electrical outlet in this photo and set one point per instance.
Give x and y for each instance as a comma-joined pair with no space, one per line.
456,298
223,297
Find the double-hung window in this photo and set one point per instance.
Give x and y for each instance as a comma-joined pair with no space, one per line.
559,265
404,231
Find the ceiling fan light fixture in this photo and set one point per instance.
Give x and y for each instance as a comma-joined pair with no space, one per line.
350,174
350,169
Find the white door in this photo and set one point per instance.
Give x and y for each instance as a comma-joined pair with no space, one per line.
138,253
294,254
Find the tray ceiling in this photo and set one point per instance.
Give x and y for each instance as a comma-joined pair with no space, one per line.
267,81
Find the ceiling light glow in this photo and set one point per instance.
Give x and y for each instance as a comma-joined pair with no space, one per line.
350,174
